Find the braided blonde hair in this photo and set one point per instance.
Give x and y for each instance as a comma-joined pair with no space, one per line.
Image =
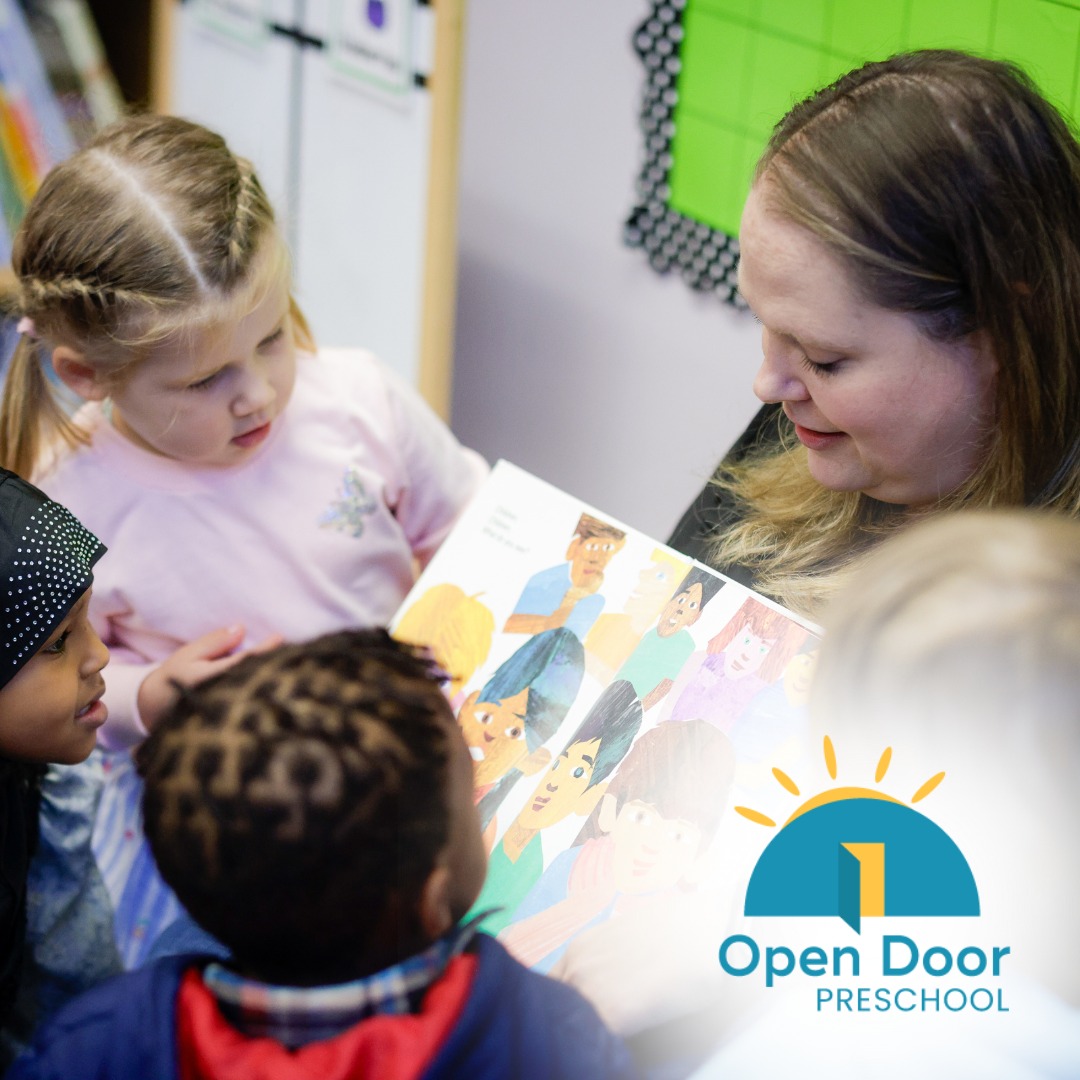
153,230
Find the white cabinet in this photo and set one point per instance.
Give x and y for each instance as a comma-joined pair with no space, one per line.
362,171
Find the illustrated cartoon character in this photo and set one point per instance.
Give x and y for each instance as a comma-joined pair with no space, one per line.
569,594
571,786
662,652
647,837
457,628
615,635
521,706
747,655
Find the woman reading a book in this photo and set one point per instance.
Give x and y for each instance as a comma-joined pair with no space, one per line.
911,247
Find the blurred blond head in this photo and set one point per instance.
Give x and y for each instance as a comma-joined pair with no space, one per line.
958,646
965,626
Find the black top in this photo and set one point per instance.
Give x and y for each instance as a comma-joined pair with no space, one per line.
19,796
46,560
714,511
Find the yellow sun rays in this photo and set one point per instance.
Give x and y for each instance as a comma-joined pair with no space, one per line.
830,757
928,787
829,751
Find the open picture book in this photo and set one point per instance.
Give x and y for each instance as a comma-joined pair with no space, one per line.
617,699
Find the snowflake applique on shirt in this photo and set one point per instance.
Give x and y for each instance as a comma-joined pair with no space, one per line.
347,512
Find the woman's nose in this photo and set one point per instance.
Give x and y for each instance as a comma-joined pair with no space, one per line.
778,378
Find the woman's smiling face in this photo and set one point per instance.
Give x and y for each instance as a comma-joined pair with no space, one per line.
881,408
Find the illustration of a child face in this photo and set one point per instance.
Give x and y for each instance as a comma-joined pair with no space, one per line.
798,676
651,851
653,590
495,734
589,558
681,611
746,653
559,792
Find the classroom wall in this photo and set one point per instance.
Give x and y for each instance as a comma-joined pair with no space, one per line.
572,358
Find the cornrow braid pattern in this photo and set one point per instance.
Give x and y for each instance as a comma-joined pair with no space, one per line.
320,763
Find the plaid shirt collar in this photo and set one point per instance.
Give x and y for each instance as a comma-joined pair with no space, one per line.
296,1016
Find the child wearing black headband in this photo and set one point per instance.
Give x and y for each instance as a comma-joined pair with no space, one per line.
50,684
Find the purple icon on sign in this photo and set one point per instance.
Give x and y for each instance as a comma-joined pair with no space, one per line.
376,13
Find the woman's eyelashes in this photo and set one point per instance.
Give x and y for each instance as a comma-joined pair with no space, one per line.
817,368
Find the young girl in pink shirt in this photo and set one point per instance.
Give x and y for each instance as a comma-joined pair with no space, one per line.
249,486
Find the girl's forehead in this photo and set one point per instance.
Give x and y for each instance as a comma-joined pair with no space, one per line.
269,276
265,296
250,310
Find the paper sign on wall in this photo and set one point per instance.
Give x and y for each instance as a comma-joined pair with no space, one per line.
371,40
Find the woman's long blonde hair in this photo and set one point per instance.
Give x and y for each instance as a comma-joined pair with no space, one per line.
950,188
155,229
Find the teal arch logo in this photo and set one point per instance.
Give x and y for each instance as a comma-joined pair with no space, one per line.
856,852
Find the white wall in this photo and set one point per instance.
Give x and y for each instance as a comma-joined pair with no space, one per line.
573,359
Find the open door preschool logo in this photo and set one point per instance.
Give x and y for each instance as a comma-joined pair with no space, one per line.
859,853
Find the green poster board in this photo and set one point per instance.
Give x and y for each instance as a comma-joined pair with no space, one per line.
721,73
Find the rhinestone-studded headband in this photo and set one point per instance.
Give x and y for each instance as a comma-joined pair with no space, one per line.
46,560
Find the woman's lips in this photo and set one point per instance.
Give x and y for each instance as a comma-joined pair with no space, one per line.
818,440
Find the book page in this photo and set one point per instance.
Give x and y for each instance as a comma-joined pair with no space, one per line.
617,699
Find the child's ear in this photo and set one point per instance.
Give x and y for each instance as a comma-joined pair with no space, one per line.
77,375
436,916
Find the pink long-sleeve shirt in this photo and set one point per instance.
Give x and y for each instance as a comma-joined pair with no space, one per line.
321,529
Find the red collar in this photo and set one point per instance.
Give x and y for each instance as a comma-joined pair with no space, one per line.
390,1047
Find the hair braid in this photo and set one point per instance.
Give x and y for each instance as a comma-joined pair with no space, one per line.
244,233
155,229
316,773
43,294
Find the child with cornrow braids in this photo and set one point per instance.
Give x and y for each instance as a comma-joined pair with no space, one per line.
312,806
249,487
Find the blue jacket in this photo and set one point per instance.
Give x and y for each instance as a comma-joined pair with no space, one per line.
516,1024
